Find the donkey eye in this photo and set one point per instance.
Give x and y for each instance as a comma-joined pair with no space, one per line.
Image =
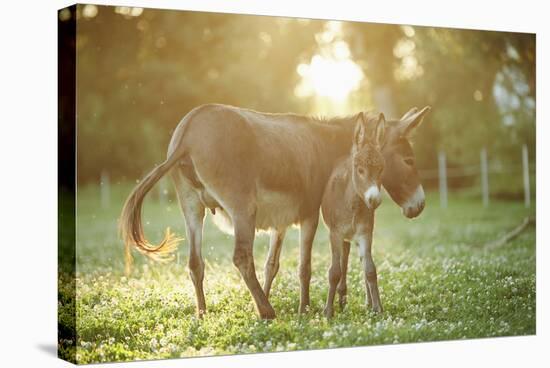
361,171
409,161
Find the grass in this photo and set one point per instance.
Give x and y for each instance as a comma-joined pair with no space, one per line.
437,282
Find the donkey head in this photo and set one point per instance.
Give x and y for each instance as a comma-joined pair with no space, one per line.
367,159
400,177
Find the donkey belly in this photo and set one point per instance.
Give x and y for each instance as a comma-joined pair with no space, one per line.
273,210
276,210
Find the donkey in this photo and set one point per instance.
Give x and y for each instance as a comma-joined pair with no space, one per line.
399,178
258,171
351,196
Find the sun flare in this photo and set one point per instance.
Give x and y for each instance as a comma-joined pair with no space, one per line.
329,77
331,73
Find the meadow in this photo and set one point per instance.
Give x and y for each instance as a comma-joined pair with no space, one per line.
438,281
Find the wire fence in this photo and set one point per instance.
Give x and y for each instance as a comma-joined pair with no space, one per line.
482,171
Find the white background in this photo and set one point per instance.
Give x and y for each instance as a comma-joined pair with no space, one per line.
28,181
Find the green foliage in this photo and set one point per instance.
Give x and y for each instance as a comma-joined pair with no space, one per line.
66,316
462,70
462,74
138,76
437,282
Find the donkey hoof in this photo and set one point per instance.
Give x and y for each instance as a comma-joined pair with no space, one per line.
303,309
268,313
343,301
329,313
377,309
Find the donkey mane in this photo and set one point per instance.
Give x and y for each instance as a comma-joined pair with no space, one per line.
309,119
334,120
346,120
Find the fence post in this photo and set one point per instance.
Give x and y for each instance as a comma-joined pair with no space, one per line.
526,184
442,180
484,177
105,189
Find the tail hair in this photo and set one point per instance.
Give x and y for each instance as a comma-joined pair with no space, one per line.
130,226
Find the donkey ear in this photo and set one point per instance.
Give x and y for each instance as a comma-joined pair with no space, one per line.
360,132
380,129
414,110
412,120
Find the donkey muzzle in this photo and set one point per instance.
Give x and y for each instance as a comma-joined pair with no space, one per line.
412,212
415,204
372,197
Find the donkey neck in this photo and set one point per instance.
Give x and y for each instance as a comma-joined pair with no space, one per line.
351,199
335,143
342,205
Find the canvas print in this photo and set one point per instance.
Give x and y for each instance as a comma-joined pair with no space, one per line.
234,184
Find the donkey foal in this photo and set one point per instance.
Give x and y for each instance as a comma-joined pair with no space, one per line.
350,198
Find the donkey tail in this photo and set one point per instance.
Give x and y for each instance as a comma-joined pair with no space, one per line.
130,226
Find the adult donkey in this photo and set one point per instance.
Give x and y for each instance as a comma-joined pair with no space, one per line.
260,171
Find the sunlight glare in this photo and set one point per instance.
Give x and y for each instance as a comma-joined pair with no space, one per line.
89,11
329,77
331,72
128,11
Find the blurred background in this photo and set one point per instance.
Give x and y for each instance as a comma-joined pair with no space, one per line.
139,71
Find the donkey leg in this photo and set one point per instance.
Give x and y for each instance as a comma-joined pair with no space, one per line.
193,212
244,261
272,262
367,288
308,227
369,295
335,271
371,278
196,262
342,285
